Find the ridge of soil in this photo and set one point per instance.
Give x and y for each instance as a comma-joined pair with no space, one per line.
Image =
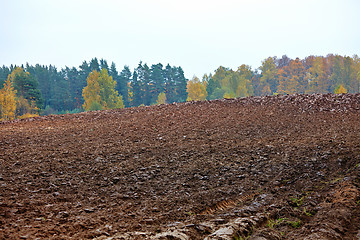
279,167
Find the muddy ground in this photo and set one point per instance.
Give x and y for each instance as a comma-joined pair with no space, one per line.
284,167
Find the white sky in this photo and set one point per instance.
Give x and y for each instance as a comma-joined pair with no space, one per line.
198,35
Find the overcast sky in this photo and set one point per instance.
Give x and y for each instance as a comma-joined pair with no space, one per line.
198,35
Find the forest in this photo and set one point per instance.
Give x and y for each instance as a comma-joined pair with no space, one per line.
42,90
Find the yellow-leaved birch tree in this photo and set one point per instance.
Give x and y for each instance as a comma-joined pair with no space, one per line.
7,101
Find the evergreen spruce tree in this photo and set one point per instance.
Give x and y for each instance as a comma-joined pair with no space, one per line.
157,82
122,84
170,87
104,64
94,65
4,73
76,86
136,86
181,85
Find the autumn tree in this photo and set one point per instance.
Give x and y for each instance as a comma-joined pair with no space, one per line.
130,93
340,89
161,98
223,84
268,81
296,72
244,87
318,82
336,77
100,92
229,94
349,77
356,66
292,78
110,98
7,101
196,90
91,93
281,76
223,76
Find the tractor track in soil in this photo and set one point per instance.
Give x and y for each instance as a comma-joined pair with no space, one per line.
280,167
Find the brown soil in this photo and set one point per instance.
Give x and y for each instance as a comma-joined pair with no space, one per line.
284,167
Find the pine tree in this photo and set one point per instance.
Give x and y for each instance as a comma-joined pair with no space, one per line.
84,70
169,80
157,81
136,90
104,64
144,77
42,76
123,83
94,65
181,85
4,73
76,84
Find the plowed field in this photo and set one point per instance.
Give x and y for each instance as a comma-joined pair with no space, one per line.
283,167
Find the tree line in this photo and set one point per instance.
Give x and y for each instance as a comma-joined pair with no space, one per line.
62,91
314,74
32,90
